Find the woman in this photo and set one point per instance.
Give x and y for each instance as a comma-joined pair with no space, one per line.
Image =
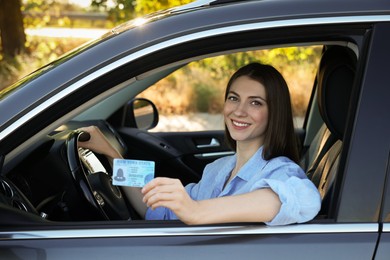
262,182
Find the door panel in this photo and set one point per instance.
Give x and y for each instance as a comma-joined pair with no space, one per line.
306,241
180,155
198,148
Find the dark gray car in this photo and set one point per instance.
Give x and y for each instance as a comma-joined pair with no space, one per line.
54,204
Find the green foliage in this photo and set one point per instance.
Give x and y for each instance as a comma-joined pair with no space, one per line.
222,67
41,13
120,11
124,10
144,7
206,97
40,52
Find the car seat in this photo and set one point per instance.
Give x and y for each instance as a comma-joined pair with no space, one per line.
335,77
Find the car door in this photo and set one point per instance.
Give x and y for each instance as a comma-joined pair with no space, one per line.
350,232
329,237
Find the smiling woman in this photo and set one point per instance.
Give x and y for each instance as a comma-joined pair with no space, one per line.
246,107
259,127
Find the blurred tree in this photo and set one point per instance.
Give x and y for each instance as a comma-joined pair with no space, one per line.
123,10
13,38
118,12
41,13
149,6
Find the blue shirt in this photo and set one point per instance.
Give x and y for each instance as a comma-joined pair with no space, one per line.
299,197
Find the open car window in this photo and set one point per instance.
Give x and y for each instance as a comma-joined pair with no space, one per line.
201,86
189,96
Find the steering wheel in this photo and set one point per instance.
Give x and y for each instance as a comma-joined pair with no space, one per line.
96,187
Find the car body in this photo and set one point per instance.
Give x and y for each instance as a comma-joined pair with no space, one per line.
93,85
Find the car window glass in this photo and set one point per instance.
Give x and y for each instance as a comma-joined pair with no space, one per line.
191,98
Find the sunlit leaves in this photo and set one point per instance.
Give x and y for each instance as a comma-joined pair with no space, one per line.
143,7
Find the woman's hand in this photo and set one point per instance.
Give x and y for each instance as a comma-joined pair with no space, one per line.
98,143
171,194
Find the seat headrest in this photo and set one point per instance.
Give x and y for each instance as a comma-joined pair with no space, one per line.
335,79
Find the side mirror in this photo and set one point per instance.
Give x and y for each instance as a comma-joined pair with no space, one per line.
141,113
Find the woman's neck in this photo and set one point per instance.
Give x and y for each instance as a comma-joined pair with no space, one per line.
244,152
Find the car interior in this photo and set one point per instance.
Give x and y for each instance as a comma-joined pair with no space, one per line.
335,81
56,181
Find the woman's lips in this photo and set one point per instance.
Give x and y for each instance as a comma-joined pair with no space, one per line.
240,125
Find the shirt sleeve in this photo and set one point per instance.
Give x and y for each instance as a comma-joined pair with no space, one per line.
159,213
300,198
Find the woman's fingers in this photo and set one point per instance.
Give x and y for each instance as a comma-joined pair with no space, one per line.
162,190
98,143
161,200
92,130
93,133
171,194
159,181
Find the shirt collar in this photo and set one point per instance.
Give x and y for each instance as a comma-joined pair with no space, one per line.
254,165
225,171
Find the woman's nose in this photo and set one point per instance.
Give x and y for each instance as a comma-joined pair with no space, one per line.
240,109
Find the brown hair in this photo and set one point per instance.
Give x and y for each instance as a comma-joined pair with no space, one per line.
280,138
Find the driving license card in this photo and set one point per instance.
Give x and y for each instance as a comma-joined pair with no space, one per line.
133,173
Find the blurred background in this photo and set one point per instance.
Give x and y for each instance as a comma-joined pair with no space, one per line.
36,32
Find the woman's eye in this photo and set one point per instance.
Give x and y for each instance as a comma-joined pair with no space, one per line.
256,103
232,98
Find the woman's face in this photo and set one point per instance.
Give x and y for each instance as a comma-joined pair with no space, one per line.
246,111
